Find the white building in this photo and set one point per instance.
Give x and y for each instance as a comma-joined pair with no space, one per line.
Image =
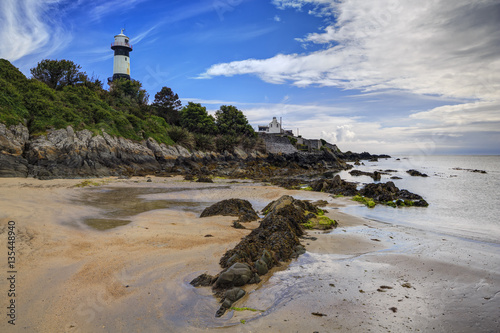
273,128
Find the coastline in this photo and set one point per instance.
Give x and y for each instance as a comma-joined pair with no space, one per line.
136,277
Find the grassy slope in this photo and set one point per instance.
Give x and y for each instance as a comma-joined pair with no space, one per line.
41,108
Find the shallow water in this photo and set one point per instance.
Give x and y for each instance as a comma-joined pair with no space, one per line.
116,206
440,298
461,203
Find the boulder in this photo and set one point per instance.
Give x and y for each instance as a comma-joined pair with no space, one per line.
416,173
232,207
203,280
388,193
237,275
335,186
230,296
375,175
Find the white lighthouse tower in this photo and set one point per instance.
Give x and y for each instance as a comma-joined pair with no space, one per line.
121,62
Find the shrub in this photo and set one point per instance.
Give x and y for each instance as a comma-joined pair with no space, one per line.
204,142
225,143
181,136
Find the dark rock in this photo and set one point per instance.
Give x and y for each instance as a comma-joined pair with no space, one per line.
13,166
389,194
204,179
230,296
237,275
320,203
298,250
288,183
335,186
261,267
375,175
12,148
203,280
350,156
238,225
396,177
381,192
232,207
416,173
471,170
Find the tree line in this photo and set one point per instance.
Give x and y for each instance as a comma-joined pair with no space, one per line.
68,96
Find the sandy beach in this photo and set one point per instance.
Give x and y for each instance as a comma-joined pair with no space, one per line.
365,276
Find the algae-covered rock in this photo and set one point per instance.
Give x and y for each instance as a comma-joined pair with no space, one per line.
335,186
232,207
274,241
238,225
261,267
230,296
416,173
390,195
203,280
237,275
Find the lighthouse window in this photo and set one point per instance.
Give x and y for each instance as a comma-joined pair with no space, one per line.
126,41
126,58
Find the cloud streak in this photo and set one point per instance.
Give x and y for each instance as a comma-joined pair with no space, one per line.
27,28
430,47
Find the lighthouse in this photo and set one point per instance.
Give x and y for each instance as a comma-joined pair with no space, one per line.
121,62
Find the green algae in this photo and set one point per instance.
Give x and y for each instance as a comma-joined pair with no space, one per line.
245,309
368,202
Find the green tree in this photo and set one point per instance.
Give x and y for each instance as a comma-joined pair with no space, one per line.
196,119
167,105
128,96
58,73
231,121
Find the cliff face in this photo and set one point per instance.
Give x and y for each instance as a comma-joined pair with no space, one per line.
65,153
12,144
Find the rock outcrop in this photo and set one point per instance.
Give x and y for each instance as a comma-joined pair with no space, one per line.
65,153
277,239
12,145
416,173
390,194
232,207
336,186
375,175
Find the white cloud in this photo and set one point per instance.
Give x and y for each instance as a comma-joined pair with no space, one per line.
465,115
26,27
277,18
427,47
112,6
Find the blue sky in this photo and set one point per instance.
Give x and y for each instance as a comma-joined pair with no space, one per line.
384,76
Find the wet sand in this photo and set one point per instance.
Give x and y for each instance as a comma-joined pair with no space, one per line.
364,276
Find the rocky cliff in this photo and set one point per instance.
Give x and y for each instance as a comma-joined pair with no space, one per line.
64,153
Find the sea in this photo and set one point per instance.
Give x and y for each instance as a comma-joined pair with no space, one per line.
462,203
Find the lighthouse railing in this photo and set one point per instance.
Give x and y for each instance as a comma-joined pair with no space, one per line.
121,44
